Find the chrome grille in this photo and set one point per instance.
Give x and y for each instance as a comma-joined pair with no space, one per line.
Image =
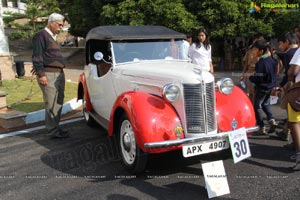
200,107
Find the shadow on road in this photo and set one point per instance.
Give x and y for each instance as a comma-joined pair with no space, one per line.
91,154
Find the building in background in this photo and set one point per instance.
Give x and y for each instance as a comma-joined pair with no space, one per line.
12,6
5,7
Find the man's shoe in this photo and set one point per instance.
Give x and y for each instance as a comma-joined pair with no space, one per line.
261,131
273,124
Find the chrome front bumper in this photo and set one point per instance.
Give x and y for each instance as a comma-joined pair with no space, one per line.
178,142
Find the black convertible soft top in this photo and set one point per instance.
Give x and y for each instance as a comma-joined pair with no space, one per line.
132,33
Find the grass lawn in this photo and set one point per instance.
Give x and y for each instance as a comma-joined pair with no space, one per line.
25,94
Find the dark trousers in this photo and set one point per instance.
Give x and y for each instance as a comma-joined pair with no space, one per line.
262,104
53,95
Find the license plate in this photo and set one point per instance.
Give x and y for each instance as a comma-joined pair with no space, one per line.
195,149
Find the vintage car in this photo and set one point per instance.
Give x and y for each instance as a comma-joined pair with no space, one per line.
140,86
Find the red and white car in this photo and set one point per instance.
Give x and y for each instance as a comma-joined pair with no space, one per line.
139,86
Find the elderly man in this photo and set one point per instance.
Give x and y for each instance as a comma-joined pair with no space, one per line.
48,64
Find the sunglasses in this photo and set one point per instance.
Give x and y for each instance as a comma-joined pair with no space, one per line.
60,25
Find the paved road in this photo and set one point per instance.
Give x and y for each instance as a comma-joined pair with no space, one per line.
88,166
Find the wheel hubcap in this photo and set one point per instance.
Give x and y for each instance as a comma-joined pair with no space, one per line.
127,141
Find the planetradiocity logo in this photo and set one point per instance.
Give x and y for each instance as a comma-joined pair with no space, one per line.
273,7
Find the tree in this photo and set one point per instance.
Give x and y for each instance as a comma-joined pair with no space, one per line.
225,18
85,14
222,18
285,21
169,13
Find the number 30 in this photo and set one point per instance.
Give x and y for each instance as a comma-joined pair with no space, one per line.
241,148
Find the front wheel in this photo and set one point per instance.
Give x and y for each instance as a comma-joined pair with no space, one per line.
133,157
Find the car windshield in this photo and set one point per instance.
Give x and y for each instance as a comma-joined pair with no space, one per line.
134,51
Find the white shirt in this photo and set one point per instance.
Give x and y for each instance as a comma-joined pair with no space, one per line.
184,50
296,61
53,35
200,56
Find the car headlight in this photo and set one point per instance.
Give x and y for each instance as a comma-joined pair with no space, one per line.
225,85
171,92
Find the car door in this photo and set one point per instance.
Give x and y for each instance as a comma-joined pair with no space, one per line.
101,91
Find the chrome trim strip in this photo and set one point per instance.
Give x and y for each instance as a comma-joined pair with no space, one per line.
178,142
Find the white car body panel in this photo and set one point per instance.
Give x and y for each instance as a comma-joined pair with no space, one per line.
147,76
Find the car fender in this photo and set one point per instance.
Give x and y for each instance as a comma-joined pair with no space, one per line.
82,89
234,110
152,118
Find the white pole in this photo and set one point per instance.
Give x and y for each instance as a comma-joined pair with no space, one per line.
1,20
3,39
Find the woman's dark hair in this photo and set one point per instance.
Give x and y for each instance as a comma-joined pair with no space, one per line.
206,43
262,45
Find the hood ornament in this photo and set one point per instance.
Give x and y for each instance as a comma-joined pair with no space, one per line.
234,124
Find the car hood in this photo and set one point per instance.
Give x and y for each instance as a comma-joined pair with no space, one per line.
166,71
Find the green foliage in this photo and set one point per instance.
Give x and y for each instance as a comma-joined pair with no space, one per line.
285,21
172,14
18,35
83,15
225,18
25,94
222,18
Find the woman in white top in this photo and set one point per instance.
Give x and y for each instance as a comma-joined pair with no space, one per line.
200,51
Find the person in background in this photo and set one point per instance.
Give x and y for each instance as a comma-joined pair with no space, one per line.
249,67
184,47
297,32
293,116
288,44
173,49
189,38
264,79
200,51
48,64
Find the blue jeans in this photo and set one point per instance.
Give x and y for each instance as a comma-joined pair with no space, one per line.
262,104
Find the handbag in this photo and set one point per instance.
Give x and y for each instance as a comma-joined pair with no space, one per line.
293,96
283,95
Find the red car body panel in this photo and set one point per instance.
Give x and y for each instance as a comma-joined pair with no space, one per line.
152,119
236,106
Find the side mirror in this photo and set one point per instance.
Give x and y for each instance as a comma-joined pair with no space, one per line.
98,55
